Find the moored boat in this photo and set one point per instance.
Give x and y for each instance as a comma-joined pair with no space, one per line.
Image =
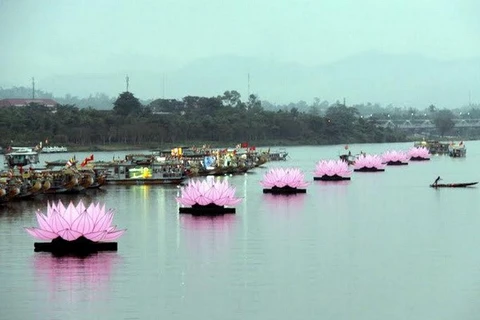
457,151
433,146
131,173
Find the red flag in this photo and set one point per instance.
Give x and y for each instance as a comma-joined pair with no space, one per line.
86,161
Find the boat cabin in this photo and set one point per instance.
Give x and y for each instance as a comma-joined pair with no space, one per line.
457,151
22,158
133,173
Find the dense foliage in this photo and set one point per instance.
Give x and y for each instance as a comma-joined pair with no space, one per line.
219,120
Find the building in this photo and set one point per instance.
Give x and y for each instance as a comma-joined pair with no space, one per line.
49,103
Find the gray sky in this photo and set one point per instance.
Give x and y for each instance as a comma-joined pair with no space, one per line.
48,37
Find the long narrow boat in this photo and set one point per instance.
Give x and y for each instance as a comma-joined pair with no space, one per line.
453,185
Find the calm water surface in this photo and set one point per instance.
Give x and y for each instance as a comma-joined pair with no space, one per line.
382,246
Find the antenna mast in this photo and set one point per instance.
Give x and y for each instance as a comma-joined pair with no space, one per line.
33,88
127,80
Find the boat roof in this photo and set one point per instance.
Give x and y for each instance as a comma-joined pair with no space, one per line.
22,152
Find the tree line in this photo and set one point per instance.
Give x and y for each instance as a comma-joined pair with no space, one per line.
220,120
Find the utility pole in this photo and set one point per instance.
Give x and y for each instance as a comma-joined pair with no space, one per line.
163,95
33,88
248,86
344,102
127,80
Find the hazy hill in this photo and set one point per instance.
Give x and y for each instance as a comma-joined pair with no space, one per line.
403,80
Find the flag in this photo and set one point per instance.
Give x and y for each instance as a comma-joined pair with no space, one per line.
71,162
87,160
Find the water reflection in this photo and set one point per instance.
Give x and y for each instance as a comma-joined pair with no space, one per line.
337,187
218,223
71,273
207,235
285,203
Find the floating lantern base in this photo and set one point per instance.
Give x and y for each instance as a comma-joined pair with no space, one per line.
397,163
284,190
208,210
81,246
419,159
368,170
331,178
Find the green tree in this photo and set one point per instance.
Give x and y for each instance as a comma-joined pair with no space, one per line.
126,104
443,121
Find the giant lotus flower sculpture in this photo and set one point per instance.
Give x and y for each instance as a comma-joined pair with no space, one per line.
368,163
395,157
282,180
332,170
208,197
71,223
419,154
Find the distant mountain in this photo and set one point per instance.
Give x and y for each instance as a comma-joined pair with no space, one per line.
403,80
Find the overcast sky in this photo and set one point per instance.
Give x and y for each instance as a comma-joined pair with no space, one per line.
45,37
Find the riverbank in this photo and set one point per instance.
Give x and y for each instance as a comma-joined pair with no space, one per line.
166,146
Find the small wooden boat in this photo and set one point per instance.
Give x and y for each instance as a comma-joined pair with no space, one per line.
453,185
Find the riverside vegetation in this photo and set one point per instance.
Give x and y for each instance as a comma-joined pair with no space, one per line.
193,120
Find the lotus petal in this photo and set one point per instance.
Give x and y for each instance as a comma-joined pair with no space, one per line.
110,236
83,223
41,234
69,235
96,235
59,223
43,222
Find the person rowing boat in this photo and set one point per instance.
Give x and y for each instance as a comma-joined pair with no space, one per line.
436,181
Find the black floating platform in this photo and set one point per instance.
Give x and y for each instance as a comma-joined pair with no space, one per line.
368,170
208,210
419,159
331,178
80,246
397,163
284,190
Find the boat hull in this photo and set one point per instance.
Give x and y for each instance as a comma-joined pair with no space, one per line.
143,181
453,185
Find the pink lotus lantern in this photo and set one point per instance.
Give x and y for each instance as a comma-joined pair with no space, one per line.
368,163
284,180
207,197
419,154
395,158
75,229
332,170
